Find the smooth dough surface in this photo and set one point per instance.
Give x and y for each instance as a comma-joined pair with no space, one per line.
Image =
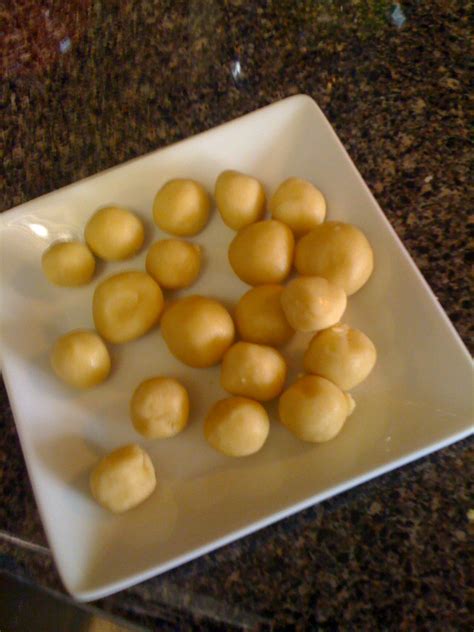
298,204
81,359
173,263
159,408
240,199
68,264
114,233
181,207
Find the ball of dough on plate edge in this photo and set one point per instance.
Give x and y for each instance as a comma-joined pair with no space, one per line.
240,199
298,204
181,207
68,264
80,359
114,233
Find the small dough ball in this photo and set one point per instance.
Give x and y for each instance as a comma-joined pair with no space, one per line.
68,264
314,409
299,204
81,359
174,263
255,371
259,316
338,252
240,199
159,408
237,426
114,233
181,207
262,252
126,305
197,330
313,303
341,354
123,479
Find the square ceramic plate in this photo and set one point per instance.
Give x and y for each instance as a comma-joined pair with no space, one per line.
417,399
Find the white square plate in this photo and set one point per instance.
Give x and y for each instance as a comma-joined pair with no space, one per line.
417,399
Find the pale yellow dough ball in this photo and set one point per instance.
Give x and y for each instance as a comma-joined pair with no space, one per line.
299,204
240,199
114,233
174,263
237,426
123,479
68,264
181,207
159,408
81,359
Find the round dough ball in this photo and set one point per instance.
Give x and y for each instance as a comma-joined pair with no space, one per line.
262,252
159,408
313,303
338,252
174,263
126,305
81,359
181,207
314,409
255,371
299,204
341,354
123,479
114,233
240,199
197,330
68,264
259,316
237,426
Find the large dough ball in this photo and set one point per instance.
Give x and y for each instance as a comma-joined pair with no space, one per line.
255,371
262,252
314,409
123,479
159,408
260,318
114,233
239,198
174,263
197,330
126,305
341,354
313,303
181,207
299,204
338,252
81,359
68,264
237,426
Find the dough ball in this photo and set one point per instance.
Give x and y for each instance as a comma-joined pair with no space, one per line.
341,354
240,199
126,305
81,359
181,207
174,263
197,330
262,252
338,252
114,233
123,479
260,318
68,264
159,408
255,371
237,426
313,303
299,204
314,409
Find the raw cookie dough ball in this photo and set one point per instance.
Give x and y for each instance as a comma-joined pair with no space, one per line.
299,204
262,252
181,207
239,198
237,426
197,330
68,264
341,354
255,371
338,252
174,263
159,408
126,305
114,233
312,303
81,359
314,409
260,318
123,479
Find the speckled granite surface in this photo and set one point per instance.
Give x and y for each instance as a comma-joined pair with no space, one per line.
138,75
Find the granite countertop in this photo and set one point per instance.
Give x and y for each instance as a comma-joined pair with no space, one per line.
87,85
